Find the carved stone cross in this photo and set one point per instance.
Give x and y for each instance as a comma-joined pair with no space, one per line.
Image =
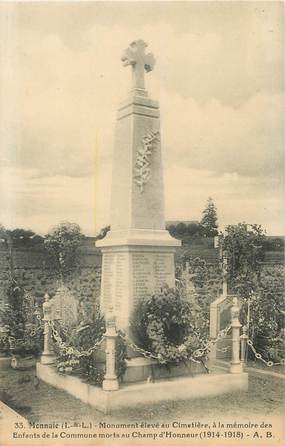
135,56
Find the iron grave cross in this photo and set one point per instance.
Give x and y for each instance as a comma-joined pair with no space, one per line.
135,56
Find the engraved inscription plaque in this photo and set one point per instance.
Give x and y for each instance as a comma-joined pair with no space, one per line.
131,275
151,271
142,274
120,282
109,283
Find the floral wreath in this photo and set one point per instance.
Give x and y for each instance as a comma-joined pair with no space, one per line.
164,326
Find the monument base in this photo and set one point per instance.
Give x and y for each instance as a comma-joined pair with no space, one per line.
236,368
134,395
142,369
136,263
48,358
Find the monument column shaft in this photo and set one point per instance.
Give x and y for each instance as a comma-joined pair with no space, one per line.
138,253
137,181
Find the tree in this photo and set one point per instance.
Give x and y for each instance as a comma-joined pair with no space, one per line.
260,287
209,221
24,237
181,228
4,235
194,229
243,245
19,319
63,242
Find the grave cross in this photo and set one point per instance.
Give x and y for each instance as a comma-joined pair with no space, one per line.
135,56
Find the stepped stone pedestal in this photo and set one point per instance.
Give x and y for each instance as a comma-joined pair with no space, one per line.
135,265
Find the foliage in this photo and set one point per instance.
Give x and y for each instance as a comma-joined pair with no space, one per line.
63,242
206,280
243,245
209,221
4,341
20,237
103,232
18,317
274,244
83,336
23,237
164,325
261,288
3,232
182,230
267,311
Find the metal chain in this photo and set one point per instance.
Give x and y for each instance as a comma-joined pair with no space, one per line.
259,356
222,333
68,350
199,353
138,349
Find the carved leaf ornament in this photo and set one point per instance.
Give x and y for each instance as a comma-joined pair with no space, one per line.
143,161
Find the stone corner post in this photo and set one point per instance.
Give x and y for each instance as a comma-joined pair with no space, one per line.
110,382
213,330
236,365
243,346
48,356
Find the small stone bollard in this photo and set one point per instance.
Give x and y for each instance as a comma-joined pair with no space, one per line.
236,366
243,345
110,379
48,356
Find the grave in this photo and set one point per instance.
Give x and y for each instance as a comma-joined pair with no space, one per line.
220,319
64,306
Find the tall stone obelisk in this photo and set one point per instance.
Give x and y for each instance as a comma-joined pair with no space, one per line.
138,253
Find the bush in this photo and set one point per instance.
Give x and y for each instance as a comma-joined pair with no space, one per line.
19,317
267,310
63,242
82,337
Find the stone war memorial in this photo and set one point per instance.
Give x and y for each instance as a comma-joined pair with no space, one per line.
137,262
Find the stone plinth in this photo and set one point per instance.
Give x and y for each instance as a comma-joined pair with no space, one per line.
148,370
136,264
135,395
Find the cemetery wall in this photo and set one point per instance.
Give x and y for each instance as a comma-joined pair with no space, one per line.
33,270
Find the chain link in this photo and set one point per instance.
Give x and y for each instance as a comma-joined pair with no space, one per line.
140,350
259,356
68,350
198,353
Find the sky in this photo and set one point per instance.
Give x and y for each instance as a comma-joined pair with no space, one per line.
219,79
